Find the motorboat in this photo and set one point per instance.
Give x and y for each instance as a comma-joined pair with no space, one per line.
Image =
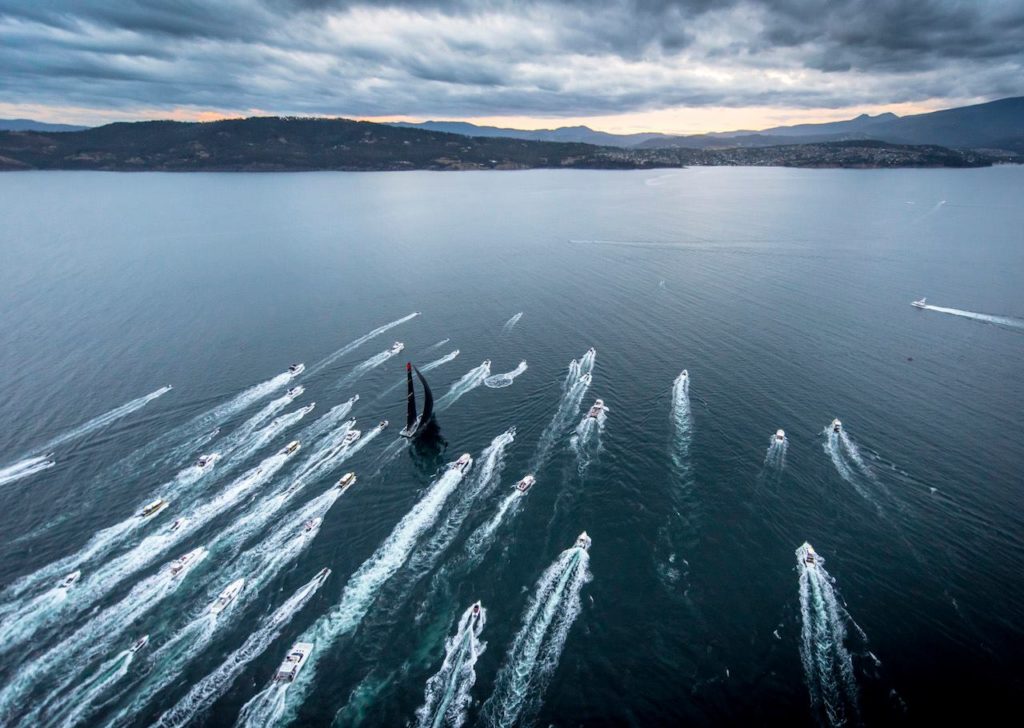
308,408
597,409
153,507
382,424
810,555
184,563
322,575
227,596
295,391
919,304
346,481
525,483
351,436
486,364
178,523
139,644
837,426
293,662
311,525
205,461
583,542
396,347
780,435
684,376
463,463
474,617
291,448
586,378
296,369
70,580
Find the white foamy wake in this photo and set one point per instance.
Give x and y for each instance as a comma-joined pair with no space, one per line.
25,468
109,674
438,345
505,380
586,439
537,646
467,383
828,667
352,345
681,422
363,367
1008,321
775,456
575,387
848,463
272,706
205,692
510,324
447,694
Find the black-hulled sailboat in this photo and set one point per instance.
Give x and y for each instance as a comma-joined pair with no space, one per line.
416,424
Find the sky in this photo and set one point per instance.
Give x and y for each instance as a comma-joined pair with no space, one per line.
684,66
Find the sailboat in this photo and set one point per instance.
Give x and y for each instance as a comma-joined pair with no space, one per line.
415,423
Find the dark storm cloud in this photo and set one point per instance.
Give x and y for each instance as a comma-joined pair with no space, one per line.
496,57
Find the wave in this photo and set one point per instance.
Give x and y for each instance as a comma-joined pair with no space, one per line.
269,706
206,691
447,694
828,667
352,345
467,383
1008,321
505,380
537,646
510,324
25,468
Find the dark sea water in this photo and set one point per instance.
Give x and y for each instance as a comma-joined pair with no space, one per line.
784,293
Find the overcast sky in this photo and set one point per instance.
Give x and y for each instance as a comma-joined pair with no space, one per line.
620,65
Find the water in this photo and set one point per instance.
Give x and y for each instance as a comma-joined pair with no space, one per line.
785,295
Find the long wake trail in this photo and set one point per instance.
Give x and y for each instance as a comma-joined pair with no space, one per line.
574,388
537,647
511,323
447,694
25,468
356,343
206,691
467,383
1008,321
499,381
586,439
372,363
276,704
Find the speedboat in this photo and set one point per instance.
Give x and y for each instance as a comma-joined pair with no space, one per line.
294,661
837,426
586,378
597,409
351,436
227,596
463,463
810,555
308,408
178,523
780,435
583,541
311,525
322,575
919,304
296,369
153,507
139,644
70,580
382,424
205,461
290,448
524,484
295,391
184,563
396,347
347,481
475,616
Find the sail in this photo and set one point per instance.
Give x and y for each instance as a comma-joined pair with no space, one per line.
428,401
410,400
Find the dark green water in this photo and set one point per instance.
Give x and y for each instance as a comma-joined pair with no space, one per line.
783,293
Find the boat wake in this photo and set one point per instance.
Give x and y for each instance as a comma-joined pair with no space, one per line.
1007,321
511,323
25,468
775,456
206,691
467,383
423,370
438,345
574,388
106,677
850,465
682,422
586,440
537,647
505,380
372,363
356,343
270,706
447,694
828,667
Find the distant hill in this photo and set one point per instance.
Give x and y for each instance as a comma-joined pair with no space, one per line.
30,125
289,144
576,134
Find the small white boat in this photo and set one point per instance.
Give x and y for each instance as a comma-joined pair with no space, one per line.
810,555
486,364
474,618
597,409
183,564
293,662
311,525
382,424
295,391
139,644
227,596
463,463
919,304
291,448
780,435
178,523
351,436
346,481
296,369
525,483
70,580
396,347
837,426
586,378
153,507
206,461
583,541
